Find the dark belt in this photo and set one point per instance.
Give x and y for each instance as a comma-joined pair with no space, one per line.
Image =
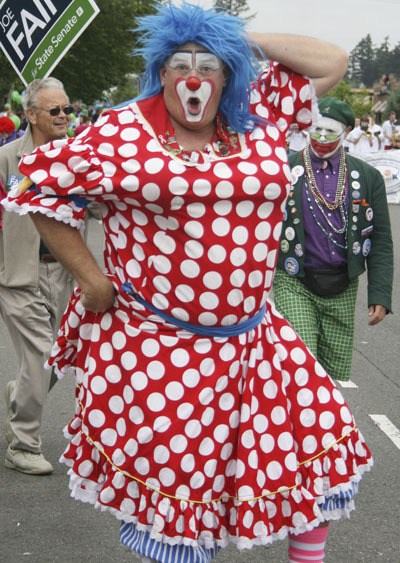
48,258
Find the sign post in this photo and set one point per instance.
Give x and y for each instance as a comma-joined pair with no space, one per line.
36,35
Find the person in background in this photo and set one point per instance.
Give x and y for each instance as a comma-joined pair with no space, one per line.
296,139
191,389
389,128
336,226
7,130
396,142
34,286
365,139
84,122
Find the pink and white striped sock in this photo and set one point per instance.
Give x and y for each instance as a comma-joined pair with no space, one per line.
308,547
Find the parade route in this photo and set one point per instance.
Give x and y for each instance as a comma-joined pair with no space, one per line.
40,523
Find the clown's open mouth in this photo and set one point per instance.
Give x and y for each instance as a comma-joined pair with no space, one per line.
194,106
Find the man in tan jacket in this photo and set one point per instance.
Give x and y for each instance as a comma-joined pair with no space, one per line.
34,287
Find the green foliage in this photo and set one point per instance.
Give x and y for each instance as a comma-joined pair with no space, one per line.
102,56
233,7
359,99
393,103
368,63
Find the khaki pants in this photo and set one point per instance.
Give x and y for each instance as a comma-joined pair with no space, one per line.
32,318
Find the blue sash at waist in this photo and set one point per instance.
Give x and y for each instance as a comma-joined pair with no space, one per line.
212,331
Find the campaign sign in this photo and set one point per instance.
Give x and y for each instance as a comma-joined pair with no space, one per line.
36,34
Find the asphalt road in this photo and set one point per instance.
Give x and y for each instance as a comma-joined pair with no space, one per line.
40,523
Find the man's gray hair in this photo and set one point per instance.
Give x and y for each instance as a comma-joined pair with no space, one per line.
29,99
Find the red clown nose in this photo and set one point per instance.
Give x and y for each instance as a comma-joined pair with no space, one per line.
193,83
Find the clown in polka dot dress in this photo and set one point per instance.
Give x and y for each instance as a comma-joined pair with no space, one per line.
194,440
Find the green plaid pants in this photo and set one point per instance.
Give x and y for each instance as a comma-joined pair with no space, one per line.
325,324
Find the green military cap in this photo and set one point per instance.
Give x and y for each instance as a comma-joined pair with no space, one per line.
336,109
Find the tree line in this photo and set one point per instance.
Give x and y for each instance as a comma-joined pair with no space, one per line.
102,61
368,63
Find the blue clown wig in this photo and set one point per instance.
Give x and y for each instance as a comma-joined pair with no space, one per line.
219,33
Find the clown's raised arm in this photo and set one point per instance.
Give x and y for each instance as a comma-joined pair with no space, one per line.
321,61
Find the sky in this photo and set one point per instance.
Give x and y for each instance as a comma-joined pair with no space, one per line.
343,22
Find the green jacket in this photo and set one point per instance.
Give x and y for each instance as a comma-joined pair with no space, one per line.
369,238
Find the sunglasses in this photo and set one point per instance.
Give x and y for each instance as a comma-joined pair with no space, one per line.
56,111
329,136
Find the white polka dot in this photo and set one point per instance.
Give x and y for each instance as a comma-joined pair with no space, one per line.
221,226
345,415
180,357
274,470
178,444
107,495
150,347
298,356
206,447
201,187
142,465
197,480
154,165
224,190
191,378
116,404
212,280
98,385
305,397
222,170
190,269
267,443
260,423
156,402
216,254
161,454
324,395
127,151
174,391
145,435
244,208
108,437
185,411
307,417
285,441
238,257
196,210
326,420
136,415
193,429
96,418
270,389
113,374
310,445
85,468
278,415
188,463
139,381
128,361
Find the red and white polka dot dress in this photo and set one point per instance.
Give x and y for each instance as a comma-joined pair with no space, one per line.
197,440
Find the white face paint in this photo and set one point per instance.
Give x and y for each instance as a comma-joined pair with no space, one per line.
203,62
193,80
327,136
194,103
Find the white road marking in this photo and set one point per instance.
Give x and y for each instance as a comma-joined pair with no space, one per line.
387,427
348,384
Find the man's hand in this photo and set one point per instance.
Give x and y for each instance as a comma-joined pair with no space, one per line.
376,314
98,296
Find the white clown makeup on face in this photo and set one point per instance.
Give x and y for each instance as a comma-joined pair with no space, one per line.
193,79
326,137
